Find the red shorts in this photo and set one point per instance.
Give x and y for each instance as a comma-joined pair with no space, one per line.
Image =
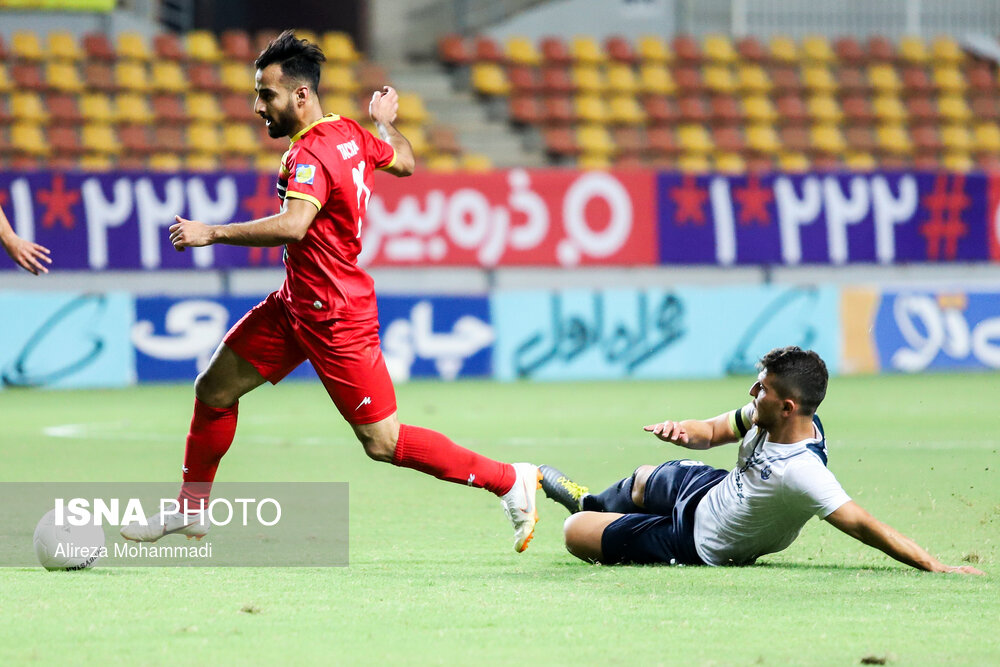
345,354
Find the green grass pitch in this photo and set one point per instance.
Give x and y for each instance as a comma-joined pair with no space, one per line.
433,578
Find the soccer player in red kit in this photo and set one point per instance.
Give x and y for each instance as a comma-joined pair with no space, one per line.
325,311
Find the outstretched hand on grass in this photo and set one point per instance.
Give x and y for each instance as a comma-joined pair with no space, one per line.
669,431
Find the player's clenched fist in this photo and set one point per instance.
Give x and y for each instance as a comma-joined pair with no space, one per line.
669,431
189,233
384,105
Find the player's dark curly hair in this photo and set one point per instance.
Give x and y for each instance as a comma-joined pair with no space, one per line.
299,58
798,374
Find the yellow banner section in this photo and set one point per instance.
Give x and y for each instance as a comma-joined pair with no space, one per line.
60,5
858,307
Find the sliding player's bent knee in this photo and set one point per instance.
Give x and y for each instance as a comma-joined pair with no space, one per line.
639,479
581,539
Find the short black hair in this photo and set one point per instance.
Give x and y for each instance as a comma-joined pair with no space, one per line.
299,58
798,374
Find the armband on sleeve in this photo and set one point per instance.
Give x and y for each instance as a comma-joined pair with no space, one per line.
741,420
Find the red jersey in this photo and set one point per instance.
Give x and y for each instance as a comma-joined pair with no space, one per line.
331,164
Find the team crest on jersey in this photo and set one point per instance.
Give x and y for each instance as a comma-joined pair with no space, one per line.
304,173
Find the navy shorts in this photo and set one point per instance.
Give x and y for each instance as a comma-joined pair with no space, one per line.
665,532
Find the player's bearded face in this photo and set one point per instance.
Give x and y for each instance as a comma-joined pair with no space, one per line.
280,121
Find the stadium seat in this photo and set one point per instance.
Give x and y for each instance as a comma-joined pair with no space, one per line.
239,139
686,49
660,110
726,110
443,140
203,138
588,51
794,162
6,85
957,162
203,107
97,47
63,107
524,80
827,139
857,109
205,76
889,109
589,79
454,51
656,80
982,79
913,50
622,79
262,38
236,46
694,163
818,79
590,109
948,79
135,140
595,140
893,140
987,137
884,79
945,50
100,138
985,108
165,162
751,50
131,76
555,51
63,46
65,141
560,141
169,110
926,162
417,136
92,162
759,109
923,110
953,108
692,109
559,110
956,139
167,46
556,80
988,162
25,45
848,51
825,109
860,140
99,77
719,79
795,139
412,109
525,110
239,108
237,163
816,49
661,141
729,139
851,80
343,105
64,77
489,79
783,50
860,161
916,81
593,162
239,78
97,108
753,79
341,78
201,163
625,110
441,163
168,77
881,49
522,51
202,46
27,76
133,46
729,163
654,50
926,140
339,47
168,139
628,140
786,79
620,50
791,110
694,138
487,50
476,162
719,49
27,107
689,80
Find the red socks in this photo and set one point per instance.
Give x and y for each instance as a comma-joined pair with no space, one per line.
432,453
211,433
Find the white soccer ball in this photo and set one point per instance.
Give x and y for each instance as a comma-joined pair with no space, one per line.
67,547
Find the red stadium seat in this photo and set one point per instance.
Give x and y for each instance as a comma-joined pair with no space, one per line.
169,109
205,76
982,78
99,77
923,110
453,50
851,80
560,141
28,76
916,81
660,110
620,50
524,80
693,109
985,108
98,47
858,109
849,51
729,139
238,108
726,110
555,51
64,141
168,139
860,139
792,110
688,80
880,49
786,79
557,81
926,139
661,141
525,110
750,49
167,46
559,110
686,49
135,139
486,49
64,108
795,139
629,141
236,45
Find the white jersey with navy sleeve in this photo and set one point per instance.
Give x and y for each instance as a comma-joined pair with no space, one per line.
762,504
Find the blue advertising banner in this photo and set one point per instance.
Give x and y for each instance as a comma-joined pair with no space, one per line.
786,219
918,330
687,332
64,341
442,337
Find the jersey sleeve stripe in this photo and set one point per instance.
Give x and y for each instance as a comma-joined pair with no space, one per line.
389,166
309,198
739,421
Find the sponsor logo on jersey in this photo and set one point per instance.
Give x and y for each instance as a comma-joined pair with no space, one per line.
305,173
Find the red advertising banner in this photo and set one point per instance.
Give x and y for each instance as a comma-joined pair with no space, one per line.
512,218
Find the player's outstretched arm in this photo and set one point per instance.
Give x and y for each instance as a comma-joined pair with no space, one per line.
859,524
695,433
383,109
288,226
29,256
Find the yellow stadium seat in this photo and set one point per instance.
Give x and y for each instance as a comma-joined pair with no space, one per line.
133,46
168,77
5,83
239,139
889,109
730,163
28,107
97,108
654,50
412,109
203,107
132,75
694,139
957,162
593,162
793,162
489,79
763,139
783,49
816,48
622,79
201,163
588,79
719,78
595,140
894,139
166,162
954,108
28,138
442,163
26,45
522,51
590,109
956,138
759,109
987,137
100,138
884,78
343,105
913,50
587,51
417,136
64,77
860,161
476,162
753,79
818,79
265,161
339,47
719,49
625,110
95,162
946,50
656,80
340,78
949,79
825,109
133,108
202,45
63,46
237,77
827,139
696,163
203,138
